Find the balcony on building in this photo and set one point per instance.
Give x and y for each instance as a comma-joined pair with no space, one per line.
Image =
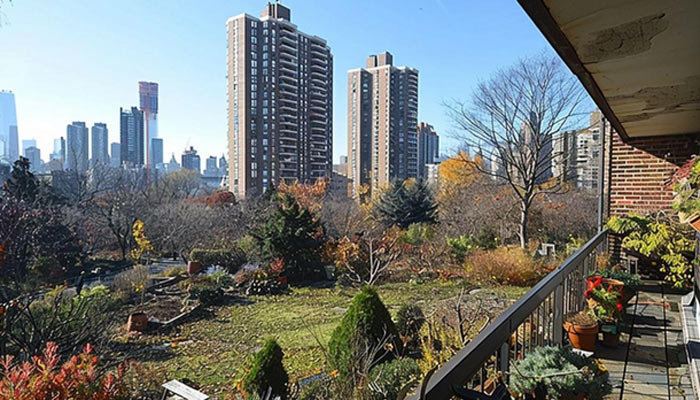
640,62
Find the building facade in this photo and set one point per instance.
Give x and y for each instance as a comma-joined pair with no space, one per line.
280,102
115,152
100,144
77,149
131,137
191,160
9,140
428,148
148,105
27,143
157,152
564,156
588,154
59,150
33,154
382,123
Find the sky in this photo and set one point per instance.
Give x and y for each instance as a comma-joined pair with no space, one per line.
80,60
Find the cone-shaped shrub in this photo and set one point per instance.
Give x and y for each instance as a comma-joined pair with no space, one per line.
268,372
365,325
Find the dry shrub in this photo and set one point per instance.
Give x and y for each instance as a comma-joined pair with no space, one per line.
506,265
131,281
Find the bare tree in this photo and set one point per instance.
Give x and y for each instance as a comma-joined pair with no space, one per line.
516,116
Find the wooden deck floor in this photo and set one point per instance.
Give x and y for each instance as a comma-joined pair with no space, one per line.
650,362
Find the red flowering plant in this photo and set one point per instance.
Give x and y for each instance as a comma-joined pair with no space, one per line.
604,299
43,378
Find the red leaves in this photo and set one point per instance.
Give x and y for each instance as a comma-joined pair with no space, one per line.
42,378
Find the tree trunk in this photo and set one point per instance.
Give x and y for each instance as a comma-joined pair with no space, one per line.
524,209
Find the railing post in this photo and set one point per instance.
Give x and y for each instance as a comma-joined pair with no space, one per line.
504,357
557,324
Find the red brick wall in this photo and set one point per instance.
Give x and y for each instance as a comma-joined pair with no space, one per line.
641,168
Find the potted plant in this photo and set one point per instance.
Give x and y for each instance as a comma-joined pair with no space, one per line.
558,373
686,182
604,298
582,328
631,281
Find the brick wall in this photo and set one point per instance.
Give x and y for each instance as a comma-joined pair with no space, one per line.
640,170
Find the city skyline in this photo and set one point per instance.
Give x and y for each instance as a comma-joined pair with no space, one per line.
61,90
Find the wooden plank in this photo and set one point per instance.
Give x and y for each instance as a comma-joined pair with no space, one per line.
184,391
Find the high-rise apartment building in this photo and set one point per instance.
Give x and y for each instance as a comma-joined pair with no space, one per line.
77,149
100,143
148,104
115,151
382,123
131,137
588,153
157,152
191,160
9,140
428,148
564,156
280,102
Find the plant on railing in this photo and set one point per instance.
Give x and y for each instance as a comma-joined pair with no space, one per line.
604,298
631,281
558,373
687,200
660,239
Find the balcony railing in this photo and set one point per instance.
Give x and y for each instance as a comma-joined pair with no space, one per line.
534,320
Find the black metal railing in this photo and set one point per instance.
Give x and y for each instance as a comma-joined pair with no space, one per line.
534,320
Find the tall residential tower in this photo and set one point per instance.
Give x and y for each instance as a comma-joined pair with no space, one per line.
280,102
100,144
9,141
131,137
382,123
148,104
77,147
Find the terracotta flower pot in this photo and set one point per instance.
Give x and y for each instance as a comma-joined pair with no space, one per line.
138,321
582,337
193,267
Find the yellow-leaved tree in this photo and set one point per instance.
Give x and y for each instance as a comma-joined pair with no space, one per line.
143,245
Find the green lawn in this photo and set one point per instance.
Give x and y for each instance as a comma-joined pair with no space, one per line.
222,343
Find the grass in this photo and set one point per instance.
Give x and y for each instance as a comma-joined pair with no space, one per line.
214,352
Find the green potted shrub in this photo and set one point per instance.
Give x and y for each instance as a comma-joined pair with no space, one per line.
582,328
604,298
268,373
631,281
558,373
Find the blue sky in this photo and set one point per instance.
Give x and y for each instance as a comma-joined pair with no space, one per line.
82,59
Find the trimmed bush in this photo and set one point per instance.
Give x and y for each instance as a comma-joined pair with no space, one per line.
366,324
229,259
386,380
268,372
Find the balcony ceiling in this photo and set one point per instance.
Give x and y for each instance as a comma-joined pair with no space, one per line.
638,59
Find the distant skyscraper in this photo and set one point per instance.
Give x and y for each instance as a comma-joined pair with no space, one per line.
564,156
210,167
157,151
8,127
190,160
27,143
280,102
33,154
223,164
131,137
382,123
428,148
148,104
116,155
59,150
77,147
100,143
172,165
